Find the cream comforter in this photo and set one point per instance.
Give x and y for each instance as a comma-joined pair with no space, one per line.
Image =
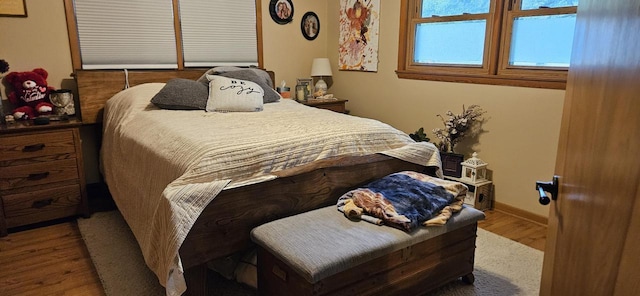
163,167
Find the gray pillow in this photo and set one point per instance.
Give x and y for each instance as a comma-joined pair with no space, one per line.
182,94
258,76
224,69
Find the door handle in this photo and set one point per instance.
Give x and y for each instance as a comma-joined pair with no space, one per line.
544,187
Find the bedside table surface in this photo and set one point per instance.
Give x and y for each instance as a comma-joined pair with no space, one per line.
337,105
28,125
323,102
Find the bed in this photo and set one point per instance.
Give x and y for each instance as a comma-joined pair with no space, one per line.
191,190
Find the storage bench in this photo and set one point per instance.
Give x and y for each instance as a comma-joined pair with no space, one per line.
323,253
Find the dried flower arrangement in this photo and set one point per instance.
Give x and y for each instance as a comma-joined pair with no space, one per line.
457,126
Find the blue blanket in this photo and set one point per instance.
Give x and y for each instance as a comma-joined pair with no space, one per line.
405,200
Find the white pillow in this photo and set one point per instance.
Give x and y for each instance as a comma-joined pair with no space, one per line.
233,95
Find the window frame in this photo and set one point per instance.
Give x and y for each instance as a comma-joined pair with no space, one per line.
416,7
495,69
74,43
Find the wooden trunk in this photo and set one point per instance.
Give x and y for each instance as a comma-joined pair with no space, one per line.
414,270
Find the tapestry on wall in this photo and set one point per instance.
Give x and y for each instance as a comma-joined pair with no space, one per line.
359,29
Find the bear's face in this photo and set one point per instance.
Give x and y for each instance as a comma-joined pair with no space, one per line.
27,80
29,84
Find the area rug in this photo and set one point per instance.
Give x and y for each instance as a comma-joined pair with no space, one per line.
502,266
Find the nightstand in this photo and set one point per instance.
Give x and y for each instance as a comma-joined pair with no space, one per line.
337,105
479,194
41,173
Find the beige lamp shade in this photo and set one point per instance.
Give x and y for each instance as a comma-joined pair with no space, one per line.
321,67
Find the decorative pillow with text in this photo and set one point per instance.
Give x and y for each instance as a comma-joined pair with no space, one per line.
233,95
258,76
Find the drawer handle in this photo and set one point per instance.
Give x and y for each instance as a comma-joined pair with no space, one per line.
37,176
279,272
33,148
41,203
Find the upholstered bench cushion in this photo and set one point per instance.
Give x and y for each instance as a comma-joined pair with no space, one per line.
322,242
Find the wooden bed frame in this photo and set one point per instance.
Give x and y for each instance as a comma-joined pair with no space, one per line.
223,227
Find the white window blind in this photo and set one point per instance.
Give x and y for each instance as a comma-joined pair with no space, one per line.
126,34
219,32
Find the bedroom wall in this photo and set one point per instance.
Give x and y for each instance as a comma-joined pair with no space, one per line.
520,134
41,40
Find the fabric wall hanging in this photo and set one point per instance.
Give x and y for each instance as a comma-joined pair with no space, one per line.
359,29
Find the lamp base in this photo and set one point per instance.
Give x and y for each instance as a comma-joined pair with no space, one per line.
320,88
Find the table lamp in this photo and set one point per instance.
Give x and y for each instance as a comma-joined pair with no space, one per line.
321,67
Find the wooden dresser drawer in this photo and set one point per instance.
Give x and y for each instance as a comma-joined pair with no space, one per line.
36,145
36,174
41,173
41,205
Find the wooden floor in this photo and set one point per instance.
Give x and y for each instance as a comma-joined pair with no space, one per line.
53,260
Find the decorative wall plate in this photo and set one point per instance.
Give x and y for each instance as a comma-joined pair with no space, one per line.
281,11
310,25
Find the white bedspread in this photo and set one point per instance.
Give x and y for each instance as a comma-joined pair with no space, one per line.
163,167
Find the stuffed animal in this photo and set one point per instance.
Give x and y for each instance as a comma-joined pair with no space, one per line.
30,93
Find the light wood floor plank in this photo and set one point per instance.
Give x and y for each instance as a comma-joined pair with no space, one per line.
53,260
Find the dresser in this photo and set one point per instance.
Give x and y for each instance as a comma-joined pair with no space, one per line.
41,173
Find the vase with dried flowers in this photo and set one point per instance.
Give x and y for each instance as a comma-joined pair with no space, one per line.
457,126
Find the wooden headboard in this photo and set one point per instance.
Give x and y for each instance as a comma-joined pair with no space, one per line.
95,87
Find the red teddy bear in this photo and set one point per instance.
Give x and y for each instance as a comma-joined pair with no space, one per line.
30,93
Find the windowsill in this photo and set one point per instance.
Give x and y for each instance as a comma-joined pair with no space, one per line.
485,79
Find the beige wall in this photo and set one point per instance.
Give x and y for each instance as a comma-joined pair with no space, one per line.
38,41
522,127
521,133
285,50
41,40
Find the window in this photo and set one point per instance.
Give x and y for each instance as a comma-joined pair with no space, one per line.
510,42
219,32
167,34
106,38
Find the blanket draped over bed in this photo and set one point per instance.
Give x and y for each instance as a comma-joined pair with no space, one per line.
404,200
163,167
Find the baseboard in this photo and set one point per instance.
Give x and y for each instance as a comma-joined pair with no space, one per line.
507,209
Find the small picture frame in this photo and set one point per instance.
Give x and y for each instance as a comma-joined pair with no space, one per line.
15,8
281,11
310,25
308,82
